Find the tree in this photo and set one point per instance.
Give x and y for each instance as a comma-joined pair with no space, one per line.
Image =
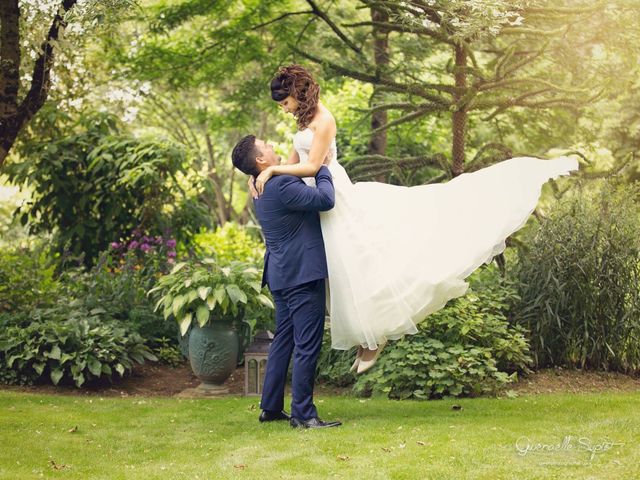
498,58
17,111
210,64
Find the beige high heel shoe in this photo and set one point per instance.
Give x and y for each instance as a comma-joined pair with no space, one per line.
365,364
358,357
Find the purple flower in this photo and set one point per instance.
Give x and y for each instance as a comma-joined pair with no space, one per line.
133,245
144,239
145,247
171,243
115,245
158,239
171,253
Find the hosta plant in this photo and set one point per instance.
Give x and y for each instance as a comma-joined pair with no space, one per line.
205,291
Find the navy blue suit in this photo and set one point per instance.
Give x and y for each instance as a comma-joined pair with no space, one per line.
295,269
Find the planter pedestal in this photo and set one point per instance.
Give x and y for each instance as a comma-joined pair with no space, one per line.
204,391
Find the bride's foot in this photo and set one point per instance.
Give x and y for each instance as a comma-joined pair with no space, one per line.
369,358
357,360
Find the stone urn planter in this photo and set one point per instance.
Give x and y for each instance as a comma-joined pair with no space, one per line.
213,354
208,301
244,332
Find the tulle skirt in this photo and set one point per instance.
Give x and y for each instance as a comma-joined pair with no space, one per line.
397,254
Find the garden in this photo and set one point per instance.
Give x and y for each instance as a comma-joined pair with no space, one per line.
134,323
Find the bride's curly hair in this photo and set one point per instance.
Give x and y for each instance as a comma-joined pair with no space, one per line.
296,81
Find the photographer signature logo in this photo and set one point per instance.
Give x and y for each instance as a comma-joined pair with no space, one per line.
569,443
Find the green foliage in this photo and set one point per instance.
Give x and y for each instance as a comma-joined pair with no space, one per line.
116,287
67,347
166,351
229,243
466,348
580,281
93,183
203,290
11,232
26,278
100,321
333,365
234,242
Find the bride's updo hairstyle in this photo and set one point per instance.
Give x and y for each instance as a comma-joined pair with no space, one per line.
296,81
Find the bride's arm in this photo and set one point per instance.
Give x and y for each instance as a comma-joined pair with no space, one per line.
292,160
322,138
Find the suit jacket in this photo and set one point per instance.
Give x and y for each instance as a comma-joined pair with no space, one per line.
288,213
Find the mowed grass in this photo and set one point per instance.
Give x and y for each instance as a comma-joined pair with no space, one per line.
147,438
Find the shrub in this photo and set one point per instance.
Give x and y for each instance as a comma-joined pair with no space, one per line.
230,243
73,349
92,181
333,365
116,286
466,348
26,279
580,281
166,350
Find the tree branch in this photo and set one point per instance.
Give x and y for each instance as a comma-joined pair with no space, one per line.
564,10
404,119
41,77
371,166
333,26
404,28
532,81
418,90
277,19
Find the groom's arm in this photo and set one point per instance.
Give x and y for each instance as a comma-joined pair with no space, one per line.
297,195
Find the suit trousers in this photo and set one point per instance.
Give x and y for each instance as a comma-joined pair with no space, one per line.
299,329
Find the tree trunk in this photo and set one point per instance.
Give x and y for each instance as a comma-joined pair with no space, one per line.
14,117
378,142
459,120
222,213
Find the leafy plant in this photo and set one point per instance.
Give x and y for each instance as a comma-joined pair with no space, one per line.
579,280
93,183
26,278
466,348
201,290
166,351
117,285
77,350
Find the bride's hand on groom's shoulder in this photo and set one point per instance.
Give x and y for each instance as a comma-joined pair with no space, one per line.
263,178
252,187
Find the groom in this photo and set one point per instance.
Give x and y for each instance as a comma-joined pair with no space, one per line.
295,268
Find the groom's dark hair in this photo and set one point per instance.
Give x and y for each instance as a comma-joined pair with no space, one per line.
244,155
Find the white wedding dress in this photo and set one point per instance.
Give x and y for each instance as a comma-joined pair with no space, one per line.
397,254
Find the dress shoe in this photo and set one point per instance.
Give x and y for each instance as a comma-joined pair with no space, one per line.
269,416
358,357
314,422
366,364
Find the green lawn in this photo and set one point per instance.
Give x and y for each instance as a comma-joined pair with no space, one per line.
150,438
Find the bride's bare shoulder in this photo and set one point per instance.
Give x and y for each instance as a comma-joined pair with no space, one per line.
324,120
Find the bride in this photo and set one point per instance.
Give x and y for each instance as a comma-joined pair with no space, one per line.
397,254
